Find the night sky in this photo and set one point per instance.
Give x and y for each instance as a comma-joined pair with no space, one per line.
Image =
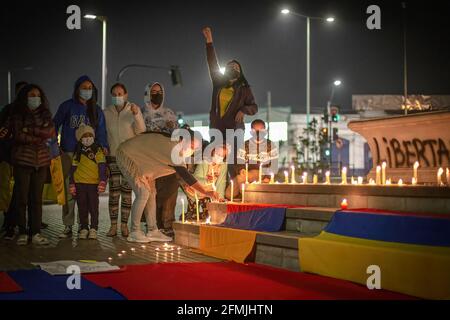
270,47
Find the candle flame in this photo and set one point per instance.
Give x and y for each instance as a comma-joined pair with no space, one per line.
416,164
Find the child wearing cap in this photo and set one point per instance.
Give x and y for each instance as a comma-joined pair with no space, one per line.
87,180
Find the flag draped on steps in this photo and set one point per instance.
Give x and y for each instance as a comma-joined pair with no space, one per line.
411,250
257,217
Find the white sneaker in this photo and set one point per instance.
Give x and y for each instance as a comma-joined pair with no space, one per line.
83,234
22,240
40,240
67,233
92,234
157,235
137,236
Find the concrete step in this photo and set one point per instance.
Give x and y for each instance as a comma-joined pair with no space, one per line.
278,249
308,219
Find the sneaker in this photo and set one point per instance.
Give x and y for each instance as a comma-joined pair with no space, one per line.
67,233
10,233
83,234
168,232
137,236
124,230
157,235
92,234
112,230
22,240
40,240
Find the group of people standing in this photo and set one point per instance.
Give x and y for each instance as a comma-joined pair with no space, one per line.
127,146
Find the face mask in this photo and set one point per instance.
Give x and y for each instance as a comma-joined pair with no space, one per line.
217,159
233,74
33,102
259,135
157,98
187,152
85,94
118,101
87,141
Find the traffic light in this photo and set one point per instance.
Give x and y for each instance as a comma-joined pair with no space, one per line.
180,119
175,76
335,117
335,134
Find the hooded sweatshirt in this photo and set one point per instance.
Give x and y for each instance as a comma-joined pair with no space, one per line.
162,119
72,113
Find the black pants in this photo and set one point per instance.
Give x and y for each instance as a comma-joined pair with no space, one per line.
166,200
29,182
87,202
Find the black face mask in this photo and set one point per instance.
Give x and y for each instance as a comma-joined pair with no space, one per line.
156,98
233,74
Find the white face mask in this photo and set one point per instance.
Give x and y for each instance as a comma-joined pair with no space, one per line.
87,141
187,153
217,159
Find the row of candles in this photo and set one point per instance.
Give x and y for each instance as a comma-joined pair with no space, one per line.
163,248
380,179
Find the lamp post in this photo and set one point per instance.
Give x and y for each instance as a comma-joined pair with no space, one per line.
104,70
308,60
336,84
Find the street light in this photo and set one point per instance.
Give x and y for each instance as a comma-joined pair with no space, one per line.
286,11
337,83
103,20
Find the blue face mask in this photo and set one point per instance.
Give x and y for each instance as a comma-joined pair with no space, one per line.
33,102
118,101
86,94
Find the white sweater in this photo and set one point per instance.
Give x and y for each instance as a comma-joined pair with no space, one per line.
122,126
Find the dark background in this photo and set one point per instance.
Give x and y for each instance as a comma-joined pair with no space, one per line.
270,47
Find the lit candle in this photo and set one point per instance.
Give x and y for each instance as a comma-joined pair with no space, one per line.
196,207
232,191
344,175
243,193
439,177
110,259
344,204
415,168
388,182
246,172
353,180
182,211
315,179
293,174
372,182
378,176
383,172
327,177
133,249
305,177
260,173
414,181
400,182
286,177
272,178
360,180
447,174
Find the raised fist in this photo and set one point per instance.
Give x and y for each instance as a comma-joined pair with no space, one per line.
208,34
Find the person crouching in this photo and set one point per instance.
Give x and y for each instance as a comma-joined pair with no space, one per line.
87,180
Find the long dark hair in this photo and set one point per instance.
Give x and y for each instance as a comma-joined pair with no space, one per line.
241,81
91,104
21,101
